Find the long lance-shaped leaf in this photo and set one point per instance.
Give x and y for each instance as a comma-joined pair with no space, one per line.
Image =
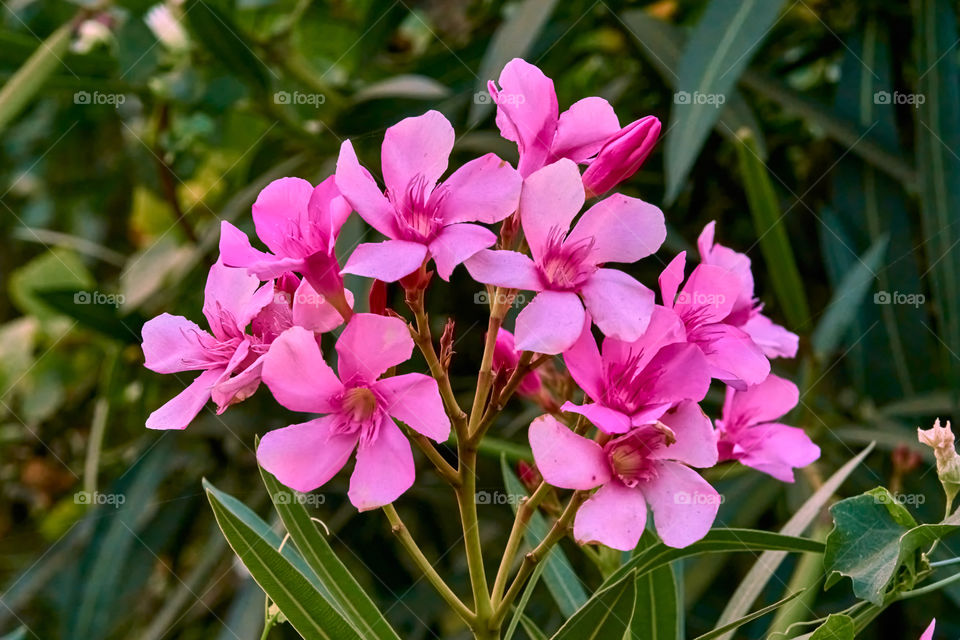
726,37
765,566
605,615
736,624
344,589
307,610
24,84
658,612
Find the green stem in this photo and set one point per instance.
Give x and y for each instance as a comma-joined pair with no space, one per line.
467,502
524,512
485,376
403,534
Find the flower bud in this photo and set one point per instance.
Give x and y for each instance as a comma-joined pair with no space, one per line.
621,156
941,439
377,298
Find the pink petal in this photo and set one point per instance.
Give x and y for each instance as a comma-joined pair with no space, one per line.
230,391
384,468
584,363
696,443
671,278
764,402
527,112
678,372
622,155
297,374
622,229
414,147
504,269
549,201
664,328
584,128
603,418
305,456
414,399
486,189
708,295
456,243
928,633
236,251
172,344
361,191
226,299
684,504
774,340
327,210
775,449
278,210
565,459
620,306
733,356
734,261
551,323
313,312
388,261
614,516
178,412
371,344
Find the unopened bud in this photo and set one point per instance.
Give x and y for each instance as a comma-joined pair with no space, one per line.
621,155
948,462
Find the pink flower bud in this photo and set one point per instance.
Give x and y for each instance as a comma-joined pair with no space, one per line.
621,155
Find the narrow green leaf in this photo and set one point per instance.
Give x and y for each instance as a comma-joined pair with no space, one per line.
559,576
726,37
847,298
26,82
307,610
766,565
739,622
662,43
524,599
530,628
837,627
344,589
513,39
772,233
605,615
658,612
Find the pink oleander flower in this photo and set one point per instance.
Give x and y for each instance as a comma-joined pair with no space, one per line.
703,304
506,358
299,223
928,633
229,358
528,114
646,467
359,409
749,435
774,340
420,218
566,265
632,384
621,156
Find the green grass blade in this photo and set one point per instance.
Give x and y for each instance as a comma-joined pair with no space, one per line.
26,82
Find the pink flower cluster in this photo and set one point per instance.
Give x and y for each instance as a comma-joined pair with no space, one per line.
642,383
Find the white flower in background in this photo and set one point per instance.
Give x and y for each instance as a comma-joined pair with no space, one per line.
167,28
90,33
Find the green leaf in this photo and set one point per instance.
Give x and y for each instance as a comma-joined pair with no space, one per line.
559,576
772,233
837,627
605,615
662,43
937,138
287,585
28,79
716,541
732,626
726,37
512,39
847,298
658,611
524,599
530,628
216,32
16,634
766,565
343,588
873,538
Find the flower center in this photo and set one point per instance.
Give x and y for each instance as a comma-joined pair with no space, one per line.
630,455
359,404
564,265
417,210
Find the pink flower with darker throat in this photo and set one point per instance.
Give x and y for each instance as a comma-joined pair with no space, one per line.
359,407
750,434
647,467
703,304
229,357
566,265
421,218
